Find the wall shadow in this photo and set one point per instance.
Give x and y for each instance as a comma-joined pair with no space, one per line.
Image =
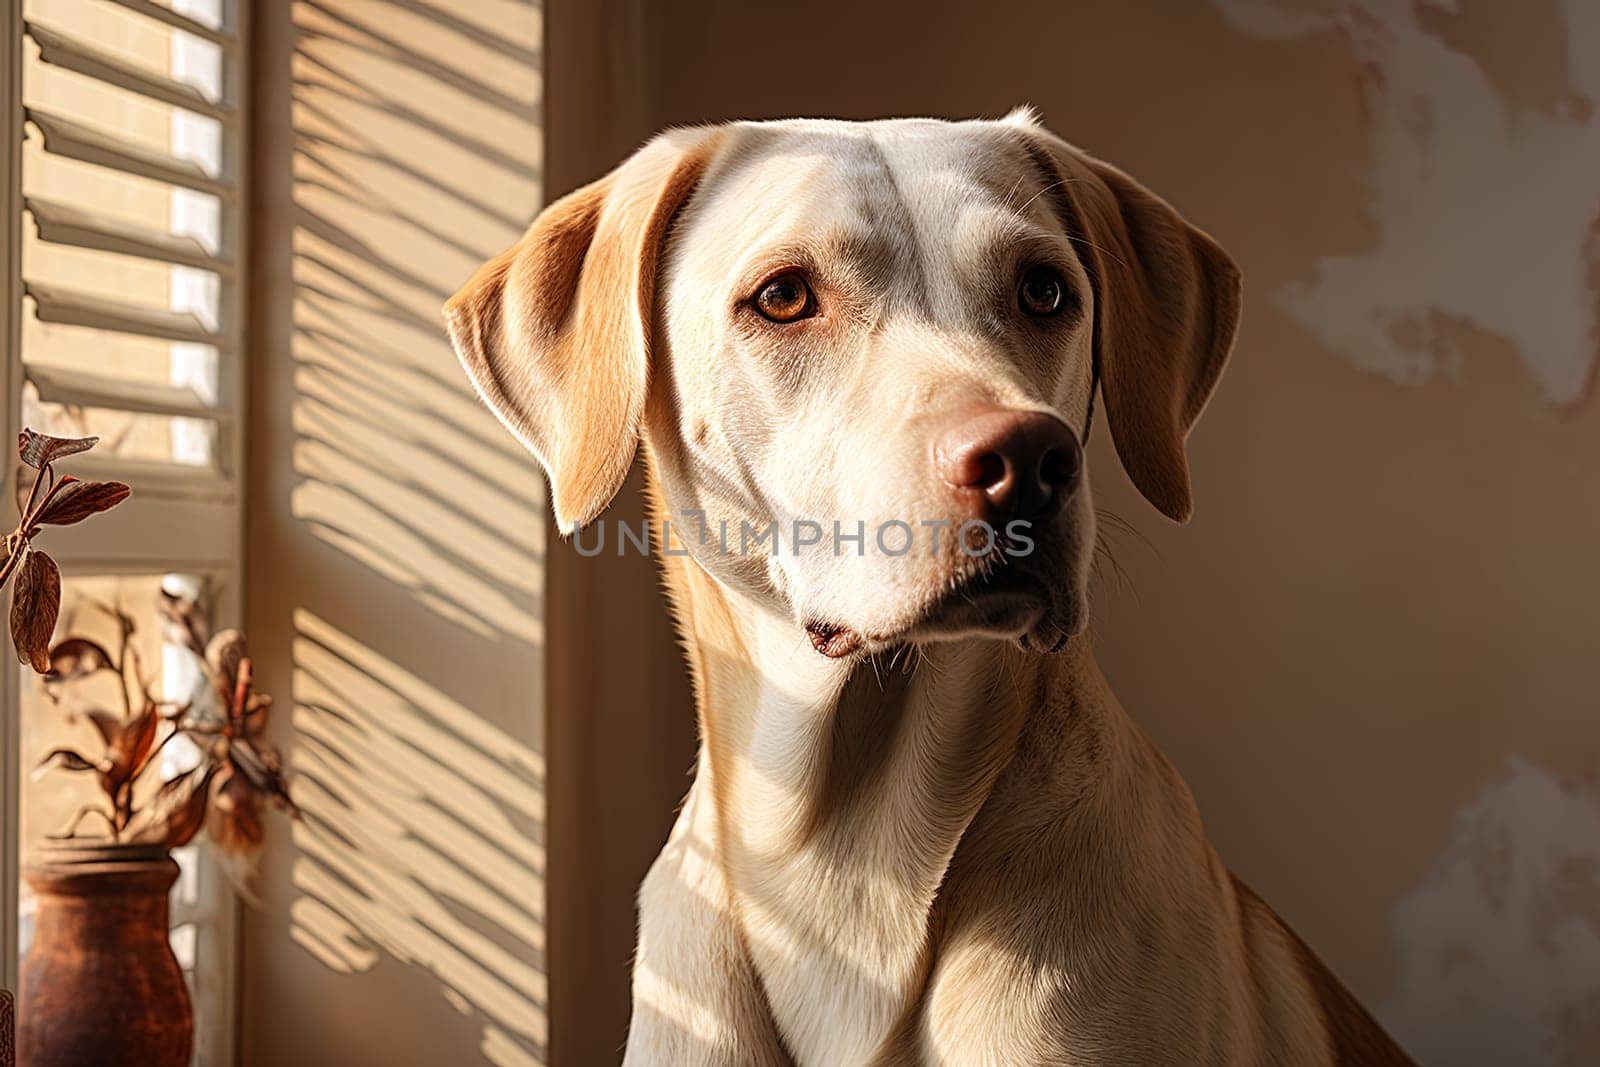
394,522
421,837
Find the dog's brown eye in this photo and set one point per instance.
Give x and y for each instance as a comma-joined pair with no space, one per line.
1043,291
785,298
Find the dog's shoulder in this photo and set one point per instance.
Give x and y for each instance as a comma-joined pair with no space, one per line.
1354,1037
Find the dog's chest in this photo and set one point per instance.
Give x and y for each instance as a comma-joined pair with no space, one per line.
846,821
838,938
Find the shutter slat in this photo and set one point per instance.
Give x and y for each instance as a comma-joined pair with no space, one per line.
63,224
81,309
62,385
62,51
63,137
179,518
169,17
148,477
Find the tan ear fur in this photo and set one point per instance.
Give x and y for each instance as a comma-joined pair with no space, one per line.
1167,307
555,332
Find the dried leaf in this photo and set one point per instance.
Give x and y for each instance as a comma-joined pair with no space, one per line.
255,715
67,760
278,790
182,622
133,745
34,605
109,725
178,809
224,654
37,449
78,500
261,764
239,710
75,657
234,821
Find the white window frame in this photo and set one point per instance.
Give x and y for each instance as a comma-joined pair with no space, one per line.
177,521
10,345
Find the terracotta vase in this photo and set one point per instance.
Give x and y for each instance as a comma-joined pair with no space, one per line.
100,984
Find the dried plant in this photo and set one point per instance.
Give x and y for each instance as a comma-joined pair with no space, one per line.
53,501
237,770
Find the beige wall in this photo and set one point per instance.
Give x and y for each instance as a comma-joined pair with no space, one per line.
1372,652
395,544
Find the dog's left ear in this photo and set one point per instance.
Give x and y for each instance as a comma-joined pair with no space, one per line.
555,332
1166,309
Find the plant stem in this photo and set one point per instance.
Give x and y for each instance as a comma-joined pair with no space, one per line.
33,493
122,661
31,519
29,514
150,759
14,559
241,693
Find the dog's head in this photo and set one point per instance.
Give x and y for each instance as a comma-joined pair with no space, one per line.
864,357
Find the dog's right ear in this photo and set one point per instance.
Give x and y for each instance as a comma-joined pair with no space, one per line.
1166,309
555,332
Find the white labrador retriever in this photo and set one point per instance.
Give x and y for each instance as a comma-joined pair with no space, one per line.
922,830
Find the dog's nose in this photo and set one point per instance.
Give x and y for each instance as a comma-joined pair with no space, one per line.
1022,462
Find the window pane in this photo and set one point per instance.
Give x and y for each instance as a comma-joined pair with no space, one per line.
125,435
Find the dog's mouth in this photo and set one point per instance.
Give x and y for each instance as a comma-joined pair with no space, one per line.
833,640
1005,601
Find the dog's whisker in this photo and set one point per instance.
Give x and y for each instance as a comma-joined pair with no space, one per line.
1123,580
1104,251
1105,514
1016,187
1058,183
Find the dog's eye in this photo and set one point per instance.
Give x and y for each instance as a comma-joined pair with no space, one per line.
1042,291
786,298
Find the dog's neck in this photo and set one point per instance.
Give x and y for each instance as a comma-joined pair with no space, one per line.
839,790
816,734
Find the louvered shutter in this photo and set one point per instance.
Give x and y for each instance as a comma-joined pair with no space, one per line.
126,320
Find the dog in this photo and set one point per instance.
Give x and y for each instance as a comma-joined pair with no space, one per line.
921,828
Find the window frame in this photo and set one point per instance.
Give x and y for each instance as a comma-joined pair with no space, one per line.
11,342
178,520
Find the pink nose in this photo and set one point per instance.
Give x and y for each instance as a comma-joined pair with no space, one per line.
1024,463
